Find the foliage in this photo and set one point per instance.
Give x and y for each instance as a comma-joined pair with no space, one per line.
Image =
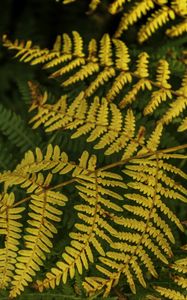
164,12
96,205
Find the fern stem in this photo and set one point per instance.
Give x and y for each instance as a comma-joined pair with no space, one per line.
52,188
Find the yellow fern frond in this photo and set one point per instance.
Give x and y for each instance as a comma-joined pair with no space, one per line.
180,6
38,240
63,55
116,6
164,91
179,105
10,229
108,68
93,5
179,280
163,12
159,18
128,231
136,12
170,294
114,133
103,121
94,190
143,83
178,29
26,52
183,126
149,232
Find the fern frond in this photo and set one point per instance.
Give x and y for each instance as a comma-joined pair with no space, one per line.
10,229
6,157
93,228
160,17
131,246
109,67
179,280
164,11
164,92
25,50
103,122
116,6
115,134
178,29
177,106
88,63
14,128
38,240
137,11
183,126
26,171
180,7
149,232
170,294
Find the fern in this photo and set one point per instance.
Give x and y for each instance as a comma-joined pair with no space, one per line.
95,187
164,12
11,231
13,127
116,71
6,158
179,280
92,208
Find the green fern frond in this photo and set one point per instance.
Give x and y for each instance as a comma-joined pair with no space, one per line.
6,157
15,129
